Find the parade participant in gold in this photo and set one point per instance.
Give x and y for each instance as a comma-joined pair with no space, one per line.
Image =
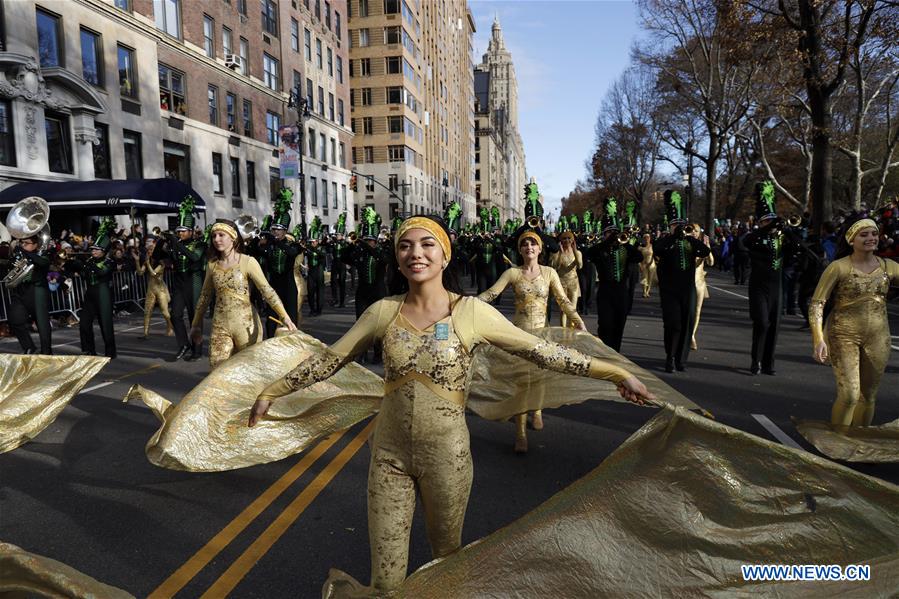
421,440
532,285
567,262
857,335
157,292
235,323
702,290
648,265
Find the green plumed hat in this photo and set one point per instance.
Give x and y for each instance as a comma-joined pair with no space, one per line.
532,205
765,200
395,223
104,234
630,214
610,220
341,224
315,228
587,222
453,217
370,225
283,205
186,220
675,211
484,220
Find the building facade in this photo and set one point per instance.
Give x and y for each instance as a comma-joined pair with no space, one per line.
195,91
500,173
412,99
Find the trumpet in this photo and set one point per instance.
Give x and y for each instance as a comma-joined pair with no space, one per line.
352,237
794,220
633,229
533,221
623,237
688,230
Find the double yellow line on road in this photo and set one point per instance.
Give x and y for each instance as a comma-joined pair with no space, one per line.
243,564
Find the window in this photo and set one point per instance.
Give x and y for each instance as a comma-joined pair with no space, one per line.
297,83
271,76
365,67
270,17
244,57
334,153
327,14
363,38
7,135
318,9
209,36
102,167
230,102
321,100
311,138
307,44
242,7
394,65
393,35
235,177
369,180
340,119
123,5
213,97
330,63
272,124
217,173
251,180
91,57
396,153
331,107
343,197
127,80
368,155
339,69
247,119
391,7
367,123
313,190
294,35
59,149
49,36
318,53
309,92
324,197
394,124
394,95
337,26
168,16
274,182
342,157
171,90
176,161
227,41
323,147
134,162
393,182
363,8
334,195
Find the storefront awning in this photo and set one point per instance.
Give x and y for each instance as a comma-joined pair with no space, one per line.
105,197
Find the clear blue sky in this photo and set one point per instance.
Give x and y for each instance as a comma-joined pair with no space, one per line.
567,53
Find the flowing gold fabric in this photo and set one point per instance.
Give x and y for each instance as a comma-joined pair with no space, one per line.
523,387
207,430
675,512
867,444
35,388
24,574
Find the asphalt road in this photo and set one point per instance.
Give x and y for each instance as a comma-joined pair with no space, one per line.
83,492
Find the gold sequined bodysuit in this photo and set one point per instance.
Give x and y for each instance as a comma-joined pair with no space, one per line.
857,334
567,265
235,323
647,268
531,296
421,439
157,293
702,292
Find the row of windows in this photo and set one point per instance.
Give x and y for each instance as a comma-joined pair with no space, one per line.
394,95
313,194
366,155
392,35
234,175
391,7
319,52
395,124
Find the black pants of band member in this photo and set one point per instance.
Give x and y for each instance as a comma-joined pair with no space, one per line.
184,297
30,302
338,285
314,283
611,313
97,306
764,310
678,312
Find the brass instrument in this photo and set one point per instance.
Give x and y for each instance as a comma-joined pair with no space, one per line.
688,230
533,221
29,217
247,226
633,229
794,220
623,238
352,236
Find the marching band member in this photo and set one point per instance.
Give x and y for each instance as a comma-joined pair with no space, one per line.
30,298
97,273
188,258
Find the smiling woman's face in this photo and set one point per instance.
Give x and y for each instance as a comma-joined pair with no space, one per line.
528,247
419,255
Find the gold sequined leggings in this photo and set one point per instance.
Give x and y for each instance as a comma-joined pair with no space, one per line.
420,444
858,338
572,292
154,297
701,291
232,330
649,275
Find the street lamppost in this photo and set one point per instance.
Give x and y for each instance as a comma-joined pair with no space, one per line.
688,178
445,192
298,102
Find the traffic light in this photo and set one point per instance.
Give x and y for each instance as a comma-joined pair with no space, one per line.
353,182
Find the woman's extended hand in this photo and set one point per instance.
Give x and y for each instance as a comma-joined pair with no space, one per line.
633,390
260,409
821,354
582,327
196,335
289,324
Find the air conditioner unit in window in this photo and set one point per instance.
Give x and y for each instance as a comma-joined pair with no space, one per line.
232,61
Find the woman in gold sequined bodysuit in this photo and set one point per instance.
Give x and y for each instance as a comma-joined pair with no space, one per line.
567,262
420,442
857,336
235,323
157,292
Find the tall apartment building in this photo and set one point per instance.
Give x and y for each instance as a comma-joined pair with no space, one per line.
500,174
196,91
412,97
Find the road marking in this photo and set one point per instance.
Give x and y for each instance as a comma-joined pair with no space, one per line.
95,387
730,292
776,432
216,544
243,564
116,380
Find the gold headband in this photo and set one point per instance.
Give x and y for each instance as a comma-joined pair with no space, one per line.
420,222
533,236
226,229
865,223
566,235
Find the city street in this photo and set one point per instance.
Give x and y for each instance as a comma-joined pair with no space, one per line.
84,493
